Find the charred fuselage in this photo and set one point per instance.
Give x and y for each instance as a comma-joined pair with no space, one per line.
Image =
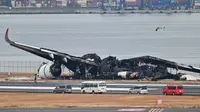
112,68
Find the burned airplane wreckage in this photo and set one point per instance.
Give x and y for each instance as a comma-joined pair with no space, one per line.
144,67
91,66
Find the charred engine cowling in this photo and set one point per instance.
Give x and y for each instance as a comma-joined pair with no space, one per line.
128,74
49,70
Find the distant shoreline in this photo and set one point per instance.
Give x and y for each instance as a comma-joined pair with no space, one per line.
4,11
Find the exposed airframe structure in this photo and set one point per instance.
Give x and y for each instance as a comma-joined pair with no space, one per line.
91,66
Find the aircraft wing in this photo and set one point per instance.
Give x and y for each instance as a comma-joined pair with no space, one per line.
48,54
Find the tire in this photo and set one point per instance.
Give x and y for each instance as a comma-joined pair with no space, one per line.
173,94
93,92
129,92
138,92
83,92
165,93
54,92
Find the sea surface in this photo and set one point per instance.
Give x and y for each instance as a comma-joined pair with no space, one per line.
120,35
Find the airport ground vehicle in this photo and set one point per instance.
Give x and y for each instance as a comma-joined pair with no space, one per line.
93,87
138,90
63,89
173,89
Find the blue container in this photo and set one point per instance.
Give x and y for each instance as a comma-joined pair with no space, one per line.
162,1
173,1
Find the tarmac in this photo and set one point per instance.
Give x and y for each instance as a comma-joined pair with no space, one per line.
115,88
98,110
112,88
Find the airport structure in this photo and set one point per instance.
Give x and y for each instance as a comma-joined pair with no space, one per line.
104,4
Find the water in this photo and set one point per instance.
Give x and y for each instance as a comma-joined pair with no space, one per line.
123,36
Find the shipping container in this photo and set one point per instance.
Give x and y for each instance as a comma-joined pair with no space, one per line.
197,5
22,3
38,5
58,3
38,1
72,3
64,3
112,1
193,3
5,2
13,3
145,3
18,3
51,3
42,2
182,1
82,2
138,2
112,4
32,2
162,1
159,4
130,2
44,5
92,4
154,2
173,1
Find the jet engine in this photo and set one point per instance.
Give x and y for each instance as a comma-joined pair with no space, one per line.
49,70
128,75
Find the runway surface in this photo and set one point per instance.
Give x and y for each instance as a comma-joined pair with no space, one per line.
117,88
100,110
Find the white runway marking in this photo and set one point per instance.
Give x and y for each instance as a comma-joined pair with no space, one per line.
132,110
